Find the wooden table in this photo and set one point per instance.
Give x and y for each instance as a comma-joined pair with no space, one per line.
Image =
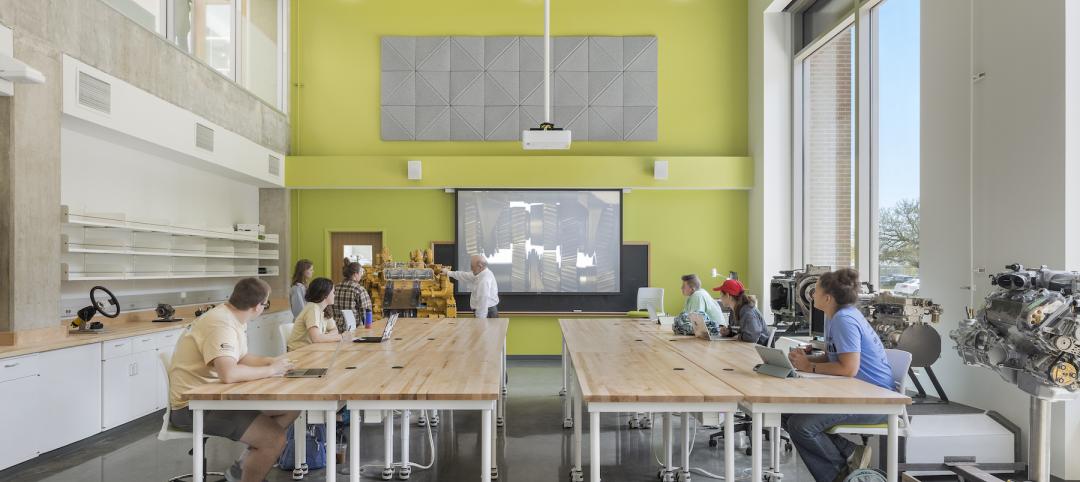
619,368
420,368
764,397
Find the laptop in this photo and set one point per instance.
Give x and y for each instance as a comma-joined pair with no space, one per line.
701,330
385,334
316,372
350,319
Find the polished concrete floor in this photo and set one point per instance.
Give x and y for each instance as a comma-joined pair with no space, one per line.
534,448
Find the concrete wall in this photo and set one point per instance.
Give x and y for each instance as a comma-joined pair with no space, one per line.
30,125
274,213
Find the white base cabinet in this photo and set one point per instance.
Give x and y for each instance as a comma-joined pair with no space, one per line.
20,416
70,395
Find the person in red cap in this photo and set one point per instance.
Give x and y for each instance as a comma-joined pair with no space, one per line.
746,319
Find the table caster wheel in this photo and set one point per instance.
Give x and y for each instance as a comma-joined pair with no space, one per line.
421,421
297,474
434,420
576,476
646,423
404,473
684,476
504,391
562,393
499,422
713,442
494,473
568,423
387,473
304,469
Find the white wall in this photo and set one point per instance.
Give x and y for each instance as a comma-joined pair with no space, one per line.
995,160
106,172
770,145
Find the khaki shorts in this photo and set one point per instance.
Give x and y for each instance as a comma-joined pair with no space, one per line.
230,424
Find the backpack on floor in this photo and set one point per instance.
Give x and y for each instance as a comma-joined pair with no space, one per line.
866,475
316,449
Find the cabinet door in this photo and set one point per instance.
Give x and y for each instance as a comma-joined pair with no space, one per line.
20,417
146,384
70,395
117,404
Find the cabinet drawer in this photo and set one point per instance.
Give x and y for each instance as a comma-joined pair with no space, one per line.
19,367
167,340
114,348
143,343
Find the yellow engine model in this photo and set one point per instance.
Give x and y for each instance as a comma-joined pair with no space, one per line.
417,288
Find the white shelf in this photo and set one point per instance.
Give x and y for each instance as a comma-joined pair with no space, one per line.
102,222
73,248
134,276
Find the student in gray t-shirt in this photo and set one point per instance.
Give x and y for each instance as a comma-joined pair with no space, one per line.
746,321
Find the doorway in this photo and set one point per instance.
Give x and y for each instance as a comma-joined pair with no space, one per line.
359,247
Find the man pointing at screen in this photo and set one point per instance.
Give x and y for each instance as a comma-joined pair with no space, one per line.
485,292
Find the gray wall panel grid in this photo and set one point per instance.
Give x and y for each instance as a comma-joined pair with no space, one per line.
491,88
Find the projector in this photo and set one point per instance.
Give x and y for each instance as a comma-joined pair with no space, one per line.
545,139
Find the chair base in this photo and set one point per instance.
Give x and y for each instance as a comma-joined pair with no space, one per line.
187,477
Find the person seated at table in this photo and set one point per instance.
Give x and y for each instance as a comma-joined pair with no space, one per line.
349,295
313,326
215,350
852,349
746,322
301,275
697,301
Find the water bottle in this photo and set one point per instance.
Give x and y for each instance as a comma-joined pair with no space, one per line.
367,319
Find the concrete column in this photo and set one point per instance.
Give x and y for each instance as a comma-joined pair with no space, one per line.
274,213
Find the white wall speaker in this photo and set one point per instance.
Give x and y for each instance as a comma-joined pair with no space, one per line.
415,172
660,170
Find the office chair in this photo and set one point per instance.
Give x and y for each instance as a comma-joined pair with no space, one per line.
900,361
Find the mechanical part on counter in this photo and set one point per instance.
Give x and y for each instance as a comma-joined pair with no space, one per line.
417,288
165,313
1027,330
792,297
901,323
199,311
101,301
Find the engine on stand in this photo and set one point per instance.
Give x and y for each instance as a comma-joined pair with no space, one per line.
417,288
902,323
791,299
1027,332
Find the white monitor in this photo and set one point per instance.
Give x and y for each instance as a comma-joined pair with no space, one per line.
651,297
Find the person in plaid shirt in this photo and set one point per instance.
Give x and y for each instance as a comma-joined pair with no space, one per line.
350,295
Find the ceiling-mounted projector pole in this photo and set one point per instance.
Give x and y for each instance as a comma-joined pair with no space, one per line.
547,136
547,61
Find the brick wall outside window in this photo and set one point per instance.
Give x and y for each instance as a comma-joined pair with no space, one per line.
828,160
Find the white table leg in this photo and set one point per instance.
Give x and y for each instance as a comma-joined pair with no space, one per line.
494,446
331,446
755,444
485,445
354,445
576,395
893,443
196,446
404,438
729,447
594,446
388,440
668,433
774,437
686,444
567,390
300,440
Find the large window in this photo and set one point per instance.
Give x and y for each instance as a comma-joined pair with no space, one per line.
827,86
244,40
894,58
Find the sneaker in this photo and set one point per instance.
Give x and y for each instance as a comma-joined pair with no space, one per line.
860,458
235,472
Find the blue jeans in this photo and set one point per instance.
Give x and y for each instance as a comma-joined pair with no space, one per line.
824,454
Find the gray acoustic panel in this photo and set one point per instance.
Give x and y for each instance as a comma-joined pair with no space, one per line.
465,88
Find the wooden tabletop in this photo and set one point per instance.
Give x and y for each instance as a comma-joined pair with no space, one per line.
435,359
606,353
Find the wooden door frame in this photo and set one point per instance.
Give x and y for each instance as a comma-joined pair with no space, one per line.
329,261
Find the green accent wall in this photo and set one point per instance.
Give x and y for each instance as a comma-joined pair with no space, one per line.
689,231
702,69
344,177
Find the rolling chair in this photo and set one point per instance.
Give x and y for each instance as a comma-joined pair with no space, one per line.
744,422
168,432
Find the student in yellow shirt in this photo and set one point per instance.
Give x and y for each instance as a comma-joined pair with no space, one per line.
312,325
215,350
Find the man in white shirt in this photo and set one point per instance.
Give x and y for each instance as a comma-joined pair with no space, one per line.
485,292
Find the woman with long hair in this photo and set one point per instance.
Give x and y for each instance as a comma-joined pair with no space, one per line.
312,325
301,275
745,318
